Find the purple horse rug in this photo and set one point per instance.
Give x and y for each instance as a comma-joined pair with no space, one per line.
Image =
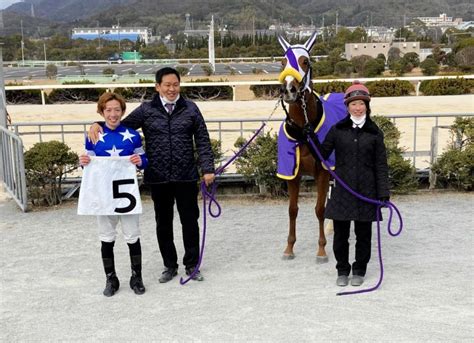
334,110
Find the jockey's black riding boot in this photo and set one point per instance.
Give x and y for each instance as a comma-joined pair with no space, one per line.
112,283
136,281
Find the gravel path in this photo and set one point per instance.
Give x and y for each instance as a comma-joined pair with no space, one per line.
52,279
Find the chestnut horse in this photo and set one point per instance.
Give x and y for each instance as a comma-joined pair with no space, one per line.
304,113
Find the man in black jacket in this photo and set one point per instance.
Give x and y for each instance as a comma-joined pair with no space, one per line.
172,127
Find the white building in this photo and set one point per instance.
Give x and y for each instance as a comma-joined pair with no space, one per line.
442,21
113,33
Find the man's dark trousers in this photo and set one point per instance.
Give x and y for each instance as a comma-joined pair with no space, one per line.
164,196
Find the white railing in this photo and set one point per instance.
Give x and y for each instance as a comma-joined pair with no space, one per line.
174,61
233,84
228,130
12,169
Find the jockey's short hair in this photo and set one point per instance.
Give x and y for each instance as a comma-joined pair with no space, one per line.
108,96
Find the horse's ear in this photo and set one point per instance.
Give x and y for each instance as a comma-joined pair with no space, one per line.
284,44
310,42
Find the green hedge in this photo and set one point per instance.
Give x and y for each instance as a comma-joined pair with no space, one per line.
331,87
76,94
455,167
402,175
376,88
208,92
266,91
390,88
447,86
18,97
136,94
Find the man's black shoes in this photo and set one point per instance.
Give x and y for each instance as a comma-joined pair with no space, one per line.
168,274
197,275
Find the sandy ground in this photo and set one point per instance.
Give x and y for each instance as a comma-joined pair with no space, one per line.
261,109
52,279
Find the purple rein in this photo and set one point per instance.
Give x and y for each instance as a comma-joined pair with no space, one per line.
212,200
379,204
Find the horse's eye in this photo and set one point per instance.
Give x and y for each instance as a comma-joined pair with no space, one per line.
305,62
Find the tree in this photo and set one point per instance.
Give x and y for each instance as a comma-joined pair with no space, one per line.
374,67
405,33
343,68
358,35
438,54
465,58
411,57
46,164
393,55
108,71
334,57
429,67
51,71
381,57
322,68
360,62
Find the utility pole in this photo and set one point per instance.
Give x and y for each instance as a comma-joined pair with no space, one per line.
118,28
337,16
323,29
44,47
253,31
22,44
98,31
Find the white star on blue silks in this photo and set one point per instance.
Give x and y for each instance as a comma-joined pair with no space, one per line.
127,135
101,136
114,151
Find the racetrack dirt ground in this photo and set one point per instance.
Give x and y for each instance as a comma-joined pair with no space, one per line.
52,279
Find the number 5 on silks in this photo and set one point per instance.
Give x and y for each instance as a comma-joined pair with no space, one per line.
109,187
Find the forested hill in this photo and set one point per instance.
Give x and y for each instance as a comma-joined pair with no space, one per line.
169,16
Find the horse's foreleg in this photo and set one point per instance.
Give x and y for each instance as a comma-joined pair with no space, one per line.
293,192
322,187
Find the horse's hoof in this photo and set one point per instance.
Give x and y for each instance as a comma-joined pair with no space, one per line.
288,257
322,259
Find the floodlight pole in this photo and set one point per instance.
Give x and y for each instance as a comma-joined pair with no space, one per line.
212,54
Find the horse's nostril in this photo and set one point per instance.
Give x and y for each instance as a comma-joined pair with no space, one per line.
282,89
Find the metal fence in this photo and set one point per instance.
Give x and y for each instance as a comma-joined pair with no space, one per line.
13,171
13,166
420,144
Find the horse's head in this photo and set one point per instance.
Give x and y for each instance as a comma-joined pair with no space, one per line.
296,74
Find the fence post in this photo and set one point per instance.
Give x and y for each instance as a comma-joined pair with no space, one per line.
418,84
43,100
233,92
433,154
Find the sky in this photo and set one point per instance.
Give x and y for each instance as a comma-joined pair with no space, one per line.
6,3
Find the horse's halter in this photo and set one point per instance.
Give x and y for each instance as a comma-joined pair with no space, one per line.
294,71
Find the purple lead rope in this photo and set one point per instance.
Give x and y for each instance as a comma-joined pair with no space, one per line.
212,200
379,204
